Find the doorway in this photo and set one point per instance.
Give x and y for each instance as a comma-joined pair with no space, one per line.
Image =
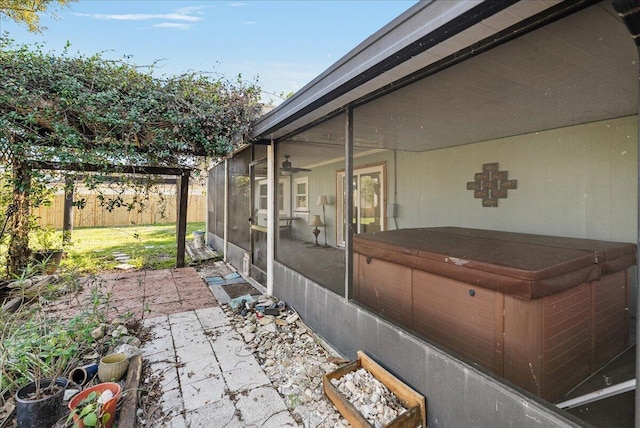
369,200
258,220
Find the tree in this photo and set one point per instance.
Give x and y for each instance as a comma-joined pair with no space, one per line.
84,110
28,11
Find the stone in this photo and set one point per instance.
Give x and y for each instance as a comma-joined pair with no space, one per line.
367,394
98,332
130,340
119,331
265,320
270,328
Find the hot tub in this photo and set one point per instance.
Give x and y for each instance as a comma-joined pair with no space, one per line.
543,312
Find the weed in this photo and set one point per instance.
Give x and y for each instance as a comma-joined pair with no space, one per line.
34,345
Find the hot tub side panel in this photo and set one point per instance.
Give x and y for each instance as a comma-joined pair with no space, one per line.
467,319
610,318
548,341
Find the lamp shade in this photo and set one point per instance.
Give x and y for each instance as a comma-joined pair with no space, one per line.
315,221
323,200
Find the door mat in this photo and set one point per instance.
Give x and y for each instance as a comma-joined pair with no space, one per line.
237,290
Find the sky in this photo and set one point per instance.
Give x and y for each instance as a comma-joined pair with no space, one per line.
282,44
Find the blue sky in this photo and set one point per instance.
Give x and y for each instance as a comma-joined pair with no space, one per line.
284,43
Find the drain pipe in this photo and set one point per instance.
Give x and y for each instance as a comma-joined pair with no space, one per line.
629,12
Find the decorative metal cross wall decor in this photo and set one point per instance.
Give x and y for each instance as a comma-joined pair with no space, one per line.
491,185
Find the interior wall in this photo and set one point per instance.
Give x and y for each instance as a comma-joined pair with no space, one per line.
579,181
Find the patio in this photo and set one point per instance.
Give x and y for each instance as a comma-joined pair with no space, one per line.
144,294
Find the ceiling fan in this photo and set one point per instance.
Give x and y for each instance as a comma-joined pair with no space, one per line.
288,169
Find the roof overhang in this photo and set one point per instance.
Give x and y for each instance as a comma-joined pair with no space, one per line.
427,39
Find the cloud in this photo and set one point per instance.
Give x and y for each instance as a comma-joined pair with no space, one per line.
250,22
142,16
177,19
192,9
176,25
237,4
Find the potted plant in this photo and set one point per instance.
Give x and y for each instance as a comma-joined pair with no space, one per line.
95,406
49,250
39,403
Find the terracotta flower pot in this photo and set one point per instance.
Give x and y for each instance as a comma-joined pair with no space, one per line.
113,367
108,407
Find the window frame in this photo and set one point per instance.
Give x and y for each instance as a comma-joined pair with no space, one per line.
297,181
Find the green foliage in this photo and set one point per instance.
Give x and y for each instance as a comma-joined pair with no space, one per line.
93,110
27,12
90,411
35,346
47,238
80,111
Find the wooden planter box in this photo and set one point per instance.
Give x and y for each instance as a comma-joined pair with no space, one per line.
416,414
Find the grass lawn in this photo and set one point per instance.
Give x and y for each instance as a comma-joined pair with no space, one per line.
150,246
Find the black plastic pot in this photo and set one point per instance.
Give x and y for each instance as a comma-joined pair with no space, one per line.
43,412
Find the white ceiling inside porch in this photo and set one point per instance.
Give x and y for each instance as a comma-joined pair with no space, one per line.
580,69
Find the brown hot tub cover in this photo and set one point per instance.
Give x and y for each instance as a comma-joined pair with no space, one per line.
522,265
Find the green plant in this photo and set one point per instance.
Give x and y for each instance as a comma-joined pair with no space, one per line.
47,238
76,110
91,410
34,345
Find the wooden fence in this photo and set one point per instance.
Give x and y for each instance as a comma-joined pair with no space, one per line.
94,215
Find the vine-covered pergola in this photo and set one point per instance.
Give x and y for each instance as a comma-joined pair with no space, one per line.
102,117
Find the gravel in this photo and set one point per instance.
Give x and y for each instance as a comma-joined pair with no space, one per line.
294,359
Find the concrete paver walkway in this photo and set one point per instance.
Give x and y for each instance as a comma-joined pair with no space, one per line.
210,378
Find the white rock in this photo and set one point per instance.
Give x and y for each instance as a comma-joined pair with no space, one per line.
350,386
105,396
